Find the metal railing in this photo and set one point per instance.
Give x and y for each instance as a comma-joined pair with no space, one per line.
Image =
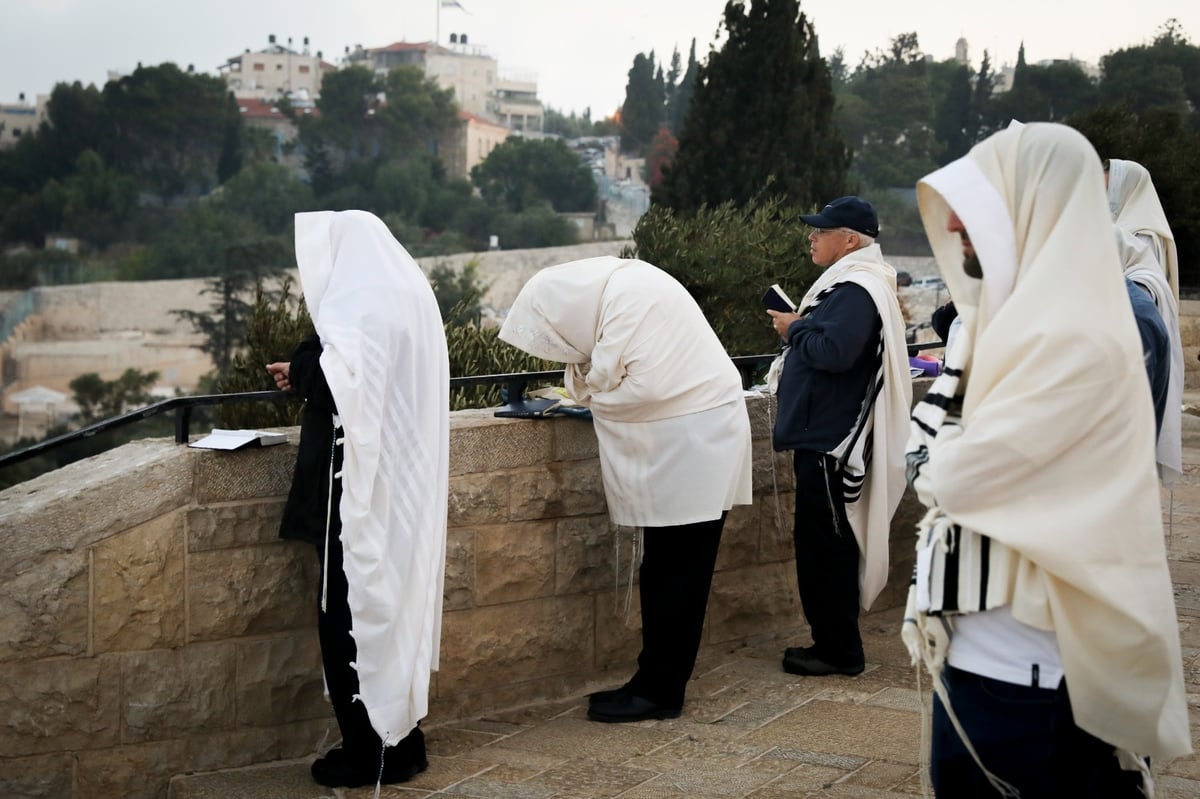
514,383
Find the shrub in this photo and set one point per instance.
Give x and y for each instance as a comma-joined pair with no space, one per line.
727,257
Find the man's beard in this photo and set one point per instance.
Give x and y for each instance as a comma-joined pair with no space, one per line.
972,266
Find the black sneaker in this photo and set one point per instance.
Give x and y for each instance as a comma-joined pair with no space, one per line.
609,695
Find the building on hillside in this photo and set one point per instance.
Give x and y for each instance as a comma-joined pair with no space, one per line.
265,115
469,71
20,119
462,148
516,104
276,72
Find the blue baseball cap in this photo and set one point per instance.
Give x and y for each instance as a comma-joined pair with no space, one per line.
850,212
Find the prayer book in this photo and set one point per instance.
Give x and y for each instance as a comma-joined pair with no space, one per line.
238,439
775,299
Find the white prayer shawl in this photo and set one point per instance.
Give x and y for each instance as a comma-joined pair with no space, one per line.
384,357
1054,457
1135,207
668,405
883,483
1140,267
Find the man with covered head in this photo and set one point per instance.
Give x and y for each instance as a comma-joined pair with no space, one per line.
844,395
1041,601
674,441
370,486
1138,213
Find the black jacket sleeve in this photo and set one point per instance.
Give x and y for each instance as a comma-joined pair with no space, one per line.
833,339
307,378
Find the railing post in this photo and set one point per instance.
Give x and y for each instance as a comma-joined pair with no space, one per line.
183,419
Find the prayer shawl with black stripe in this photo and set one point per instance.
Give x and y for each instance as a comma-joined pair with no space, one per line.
1045,475
872,455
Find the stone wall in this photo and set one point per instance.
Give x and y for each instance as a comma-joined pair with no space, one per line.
154,624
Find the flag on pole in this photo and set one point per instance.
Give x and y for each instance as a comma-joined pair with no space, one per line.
453,4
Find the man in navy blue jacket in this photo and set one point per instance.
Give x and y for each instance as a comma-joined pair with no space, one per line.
826,390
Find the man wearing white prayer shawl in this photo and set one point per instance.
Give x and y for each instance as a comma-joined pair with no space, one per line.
370,486
674,441
1041,602
844,396
1136,209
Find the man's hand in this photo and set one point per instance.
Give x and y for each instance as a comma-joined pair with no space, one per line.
782,321
279,371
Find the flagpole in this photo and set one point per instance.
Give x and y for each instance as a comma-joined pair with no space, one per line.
438,28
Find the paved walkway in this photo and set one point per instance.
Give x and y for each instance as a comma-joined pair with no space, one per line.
747,730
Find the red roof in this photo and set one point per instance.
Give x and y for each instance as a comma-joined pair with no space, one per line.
258,109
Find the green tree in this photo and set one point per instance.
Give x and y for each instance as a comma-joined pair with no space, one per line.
952,119
520,173
459,292
681,96
94,203
642,111
891,125
762,110
178,133
100,399
1163,142
243,265
275,323
267,194
726,256
1165,74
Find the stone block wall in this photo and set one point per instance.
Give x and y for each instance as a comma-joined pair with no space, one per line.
153,623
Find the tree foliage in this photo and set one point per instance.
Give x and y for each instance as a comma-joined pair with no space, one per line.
520,173
887,115
726,256
762,110
1162,141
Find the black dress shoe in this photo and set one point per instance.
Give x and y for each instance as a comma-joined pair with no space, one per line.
808,665
338,770
609,694
629,707
799,651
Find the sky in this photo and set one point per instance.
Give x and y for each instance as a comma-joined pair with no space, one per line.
579,51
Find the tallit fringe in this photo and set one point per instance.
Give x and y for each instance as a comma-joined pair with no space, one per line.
781,534
635,560
928,640
1128,761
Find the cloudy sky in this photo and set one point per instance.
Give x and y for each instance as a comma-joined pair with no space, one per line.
579,51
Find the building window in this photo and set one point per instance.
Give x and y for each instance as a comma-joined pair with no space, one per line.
259,67
278,67
304,69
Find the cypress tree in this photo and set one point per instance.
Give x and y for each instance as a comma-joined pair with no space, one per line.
760,118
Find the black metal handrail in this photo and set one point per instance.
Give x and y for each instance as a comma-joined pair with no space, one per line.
515,384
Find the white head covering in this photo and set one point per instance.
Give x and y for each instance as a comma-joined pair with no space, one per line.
610,318
1141,267
667,402
1135,207
1054,459
384,357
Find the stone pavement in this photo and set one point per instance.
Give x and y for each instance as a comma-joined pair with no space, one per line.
747,730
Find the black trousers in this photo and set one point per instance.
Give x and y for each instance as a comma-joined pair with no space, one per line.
1026,736
359,740
826,560
675,578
